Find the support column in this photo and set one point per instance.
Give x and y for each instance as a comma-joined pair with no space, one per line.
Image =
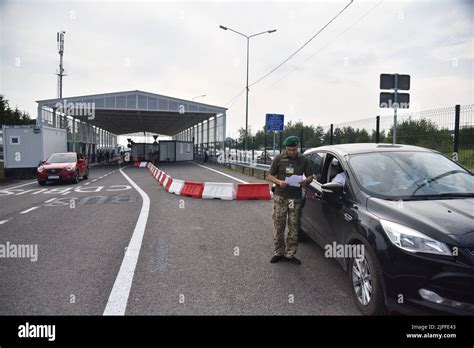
73,131
224,129
215,135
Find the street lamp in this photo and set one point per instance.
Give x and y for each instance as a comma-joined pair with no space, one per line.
199,96
247,85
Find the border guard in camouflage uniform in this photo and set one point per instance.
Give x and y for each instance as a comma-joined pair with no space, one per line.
287,199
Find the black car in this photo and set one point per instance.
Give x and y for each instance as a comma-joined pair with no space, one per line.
400,221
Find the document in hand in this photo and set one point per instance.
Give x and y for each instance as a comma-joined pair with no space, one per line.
294,180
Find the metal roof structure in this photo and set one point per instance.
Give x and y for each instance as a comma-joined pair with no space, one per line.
138,111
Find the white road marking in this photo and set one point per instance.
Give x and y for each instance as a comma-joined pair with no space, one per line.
94,180
229,176
42,190
28,210
87,183
117,303
29,183
50,200
4,221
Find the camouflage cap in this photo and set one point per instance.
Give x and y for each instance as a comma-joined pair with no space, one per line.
291,141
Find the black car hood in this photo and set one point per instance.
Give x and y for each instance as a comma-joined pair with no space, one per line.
447,220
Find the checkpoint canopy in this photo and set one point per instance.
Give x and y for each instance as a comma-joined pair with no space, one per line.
122,113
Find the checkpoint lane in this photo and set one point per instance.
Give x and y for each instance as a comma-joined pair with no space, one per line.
79,250
191,171
209,257
18,198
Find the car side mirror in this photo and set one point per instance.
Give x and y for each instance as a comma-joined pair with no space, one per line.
332,189
42,162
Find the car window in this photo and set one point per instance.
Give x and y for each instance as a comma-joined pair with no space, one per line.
316,161
334,167
61,158
412,174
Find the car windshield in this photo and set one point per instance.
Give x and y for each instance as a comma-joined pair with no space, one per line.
61,158
411,175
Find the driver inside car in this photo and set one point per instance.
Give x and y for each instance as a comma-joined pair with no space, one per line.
337,174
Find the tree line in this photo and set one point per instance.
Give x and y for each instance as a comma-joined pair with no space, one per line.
11,117
420,132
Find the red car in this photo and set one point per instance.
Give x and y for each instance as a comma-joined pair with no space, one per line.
67,166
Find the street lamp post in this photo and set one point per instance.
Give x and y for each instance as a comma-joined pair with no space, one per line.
247,84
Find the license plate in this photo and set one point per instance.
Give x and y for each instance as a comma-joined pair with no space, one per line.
53,177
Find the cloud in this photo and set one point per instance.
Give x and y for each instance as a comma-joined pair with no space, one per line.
177,49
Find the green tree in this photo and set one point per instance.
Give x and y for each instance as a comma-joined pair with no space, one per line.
12,117
425,133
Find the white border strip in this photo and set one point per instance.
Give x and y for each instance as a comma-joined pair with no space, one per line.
117,303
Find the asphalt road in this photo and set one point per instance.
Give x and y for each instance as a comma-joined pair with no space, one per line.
197,257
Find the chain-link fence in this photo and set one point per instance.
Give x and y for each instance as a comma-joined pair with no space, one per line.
447,130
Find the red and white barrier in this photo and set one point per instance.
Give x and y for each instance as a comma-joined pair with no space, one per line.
210,190
176,186
192,189
168,183
162,178
253,191
219,190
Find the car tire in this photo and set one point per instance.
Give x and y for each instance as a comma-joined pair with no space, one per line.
76,178
42,183
86,174
371,283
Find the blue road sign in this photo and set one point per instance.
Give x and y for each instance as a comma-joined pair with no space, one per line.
274,122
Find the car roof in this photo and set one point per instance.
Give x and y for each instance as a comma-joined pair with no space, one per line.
65,153
350,149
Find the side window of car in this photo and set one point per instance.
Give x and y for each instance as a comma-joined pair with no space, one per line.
316,161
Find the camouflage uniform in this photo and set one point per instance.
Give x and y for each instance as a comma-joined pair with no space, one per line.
283,207
287,203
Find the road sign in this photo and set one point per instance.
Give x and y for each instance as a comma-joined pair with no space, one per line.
274,122
387,100
388,81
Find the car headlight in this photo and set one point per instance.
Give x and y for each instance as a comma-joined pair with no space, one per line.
40,169
413,241
70,169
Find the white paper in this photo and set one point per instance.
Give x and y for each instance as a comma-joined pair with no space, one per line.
294,180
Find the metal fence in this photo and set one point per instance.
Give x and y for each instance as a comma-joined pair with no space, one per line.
447,130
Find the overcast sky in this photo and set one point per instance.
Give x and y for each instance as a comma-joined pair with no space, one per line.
177,49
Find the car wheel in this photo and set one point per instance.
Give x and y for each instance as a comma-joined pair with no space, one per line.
42,183
86,174
366,281
76,178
